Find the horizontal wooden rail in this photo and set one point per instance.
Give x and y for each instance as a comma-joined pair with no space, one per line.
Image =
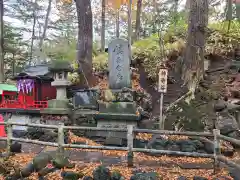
166,152
30,125
232,140
228,162
82,146
186,133
34,142
94,128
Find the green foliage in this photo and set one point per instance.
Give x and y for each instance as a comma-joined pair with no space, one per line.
223,40
100,61
219,41
15,54
61,49
60,65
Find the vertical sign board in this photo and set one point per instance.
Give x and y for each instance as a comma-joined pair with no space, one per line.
162,88
162,82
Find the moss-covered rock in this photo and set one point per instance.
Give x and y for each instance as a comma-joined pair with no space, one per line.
71,175
101,173
116,175
146,176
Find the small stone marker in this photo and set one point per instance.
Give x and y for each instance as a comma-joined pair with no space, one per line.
119,64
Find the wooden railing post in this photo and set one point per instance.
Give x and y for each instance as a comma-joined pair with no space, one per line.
217,149
9,136
130,145
60,138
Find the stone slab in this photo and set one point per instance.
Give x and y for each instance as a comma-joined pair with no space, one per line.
114,141
58,103
119,64
114,124
196,165
118,107
56,111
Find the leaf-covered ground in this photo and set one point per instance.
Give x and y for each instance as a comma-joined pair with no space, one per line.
168,172
87,168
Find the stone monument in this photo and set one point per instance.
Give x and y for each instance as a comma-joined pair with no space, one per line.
119,64
121,111
59,108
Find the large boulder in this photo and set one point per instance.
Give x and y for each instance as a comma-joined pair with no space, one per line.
199,178
187,145
222,178
144,100
182,178
71,175
146,176
35,133
87,178
101,173
226,123
116,176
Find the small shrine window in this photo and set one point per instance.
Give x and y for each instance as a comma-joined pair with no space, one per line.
60,75
65,75
9,97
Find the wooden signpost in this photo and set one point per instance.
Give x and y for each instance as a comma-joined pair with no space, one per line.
162,88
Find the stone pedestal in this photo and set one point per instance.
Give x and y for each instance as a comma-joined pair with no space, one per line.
57,106
116,115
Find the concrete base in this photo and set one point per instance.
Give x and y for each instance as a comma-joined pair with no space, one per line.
116,115
114,124
56,106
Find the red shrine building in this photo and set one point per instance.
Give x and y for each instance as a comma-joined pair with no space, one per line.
32,91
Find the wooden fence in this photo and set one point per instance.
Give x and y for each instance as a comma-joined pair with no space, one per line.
216,156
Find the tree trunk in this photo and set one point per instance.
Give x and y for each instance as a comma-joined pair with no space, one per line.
117,24
138,20
13,65
1,43
154,27
130,28
193,67
85,38
187,7
229,13
33,33
103,26
45,28
175,15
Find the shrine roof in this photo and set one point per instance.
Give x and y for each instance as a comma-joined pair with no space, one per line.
39,70
7,87
35,72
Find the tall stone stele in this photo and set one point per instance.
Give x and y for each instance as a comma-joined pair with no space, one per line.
60,105
121,111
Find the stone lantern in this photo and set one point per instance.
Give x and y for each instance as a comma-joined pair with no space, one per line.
60,82
59,106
